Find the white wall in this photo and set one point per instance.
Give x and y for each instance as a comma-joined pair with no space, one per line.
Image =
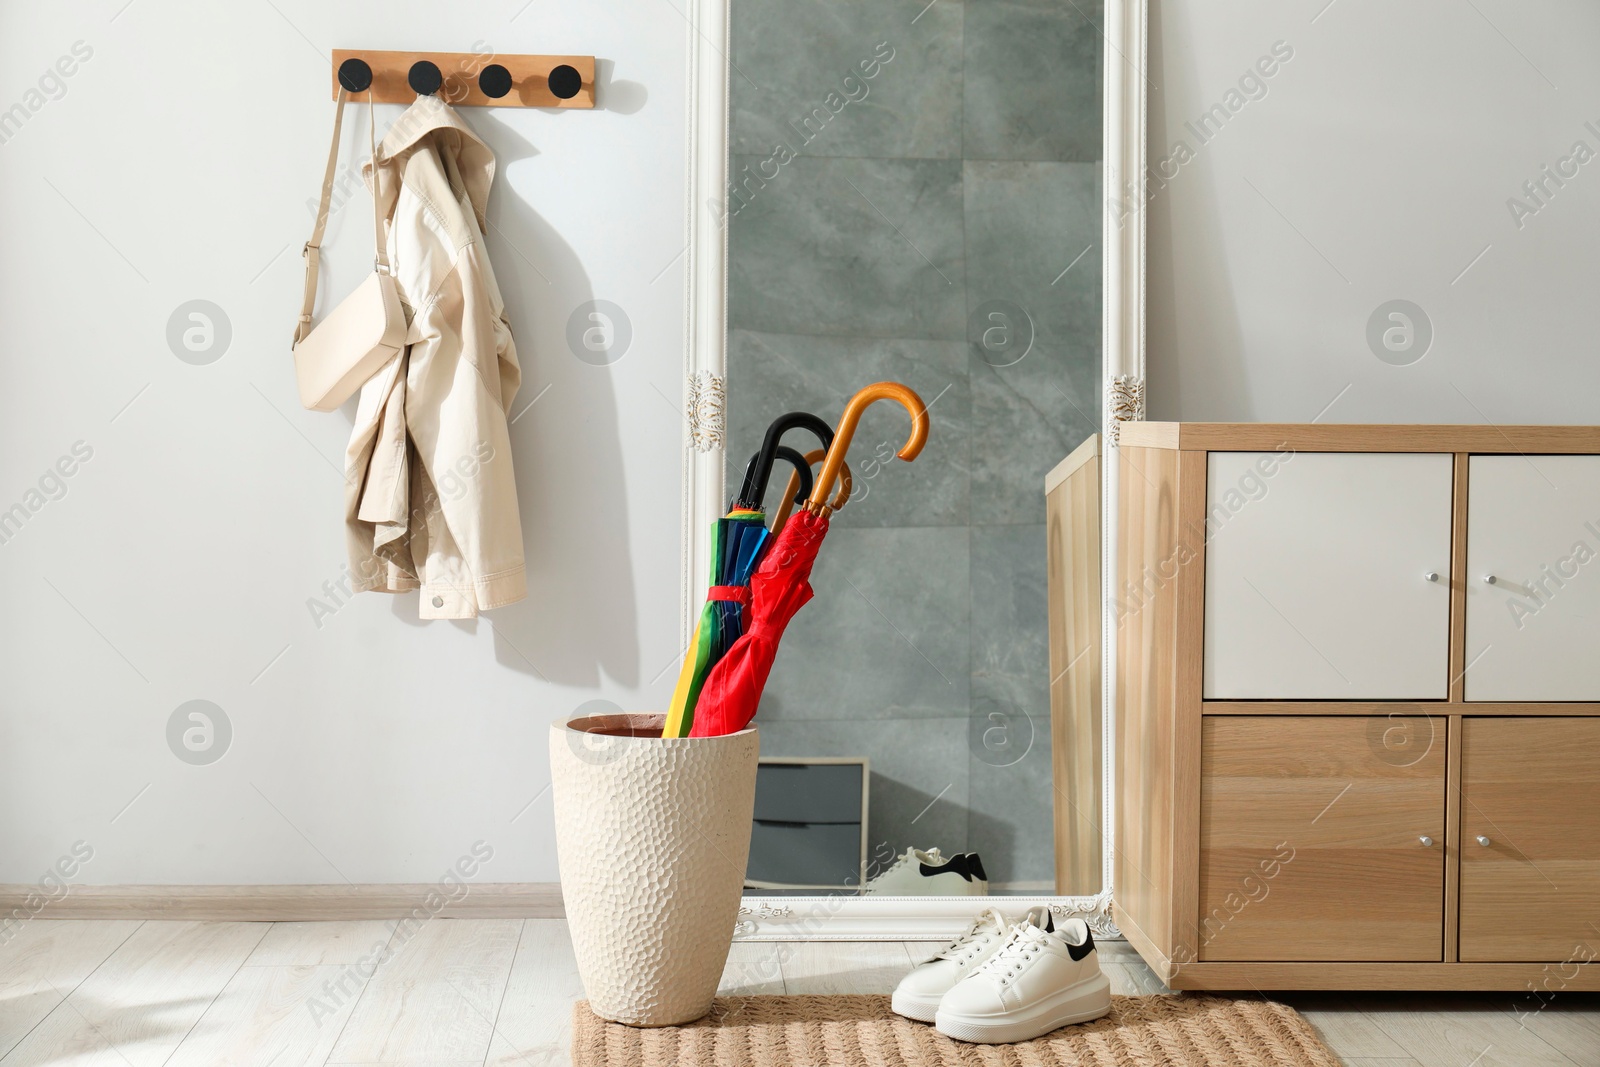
178,565
1377,166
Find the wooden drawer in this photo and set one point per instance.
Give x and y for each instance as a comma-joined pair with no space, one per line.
1310,840
1530,787
1316,584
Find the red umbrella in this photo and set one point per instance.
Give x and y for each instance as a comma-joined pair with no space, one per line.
781,585
779,588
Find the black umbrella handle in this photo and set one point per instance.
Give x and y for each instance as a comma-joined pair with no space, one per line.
789,456
759,473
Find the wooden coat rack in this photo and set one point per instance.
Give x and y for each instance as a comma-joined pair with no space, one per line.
467,79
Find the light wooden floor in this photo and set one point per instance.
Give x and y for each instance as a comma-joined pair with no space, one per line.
499,992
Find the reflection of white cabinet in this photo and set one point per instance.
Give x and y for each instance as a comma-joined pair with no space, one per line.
1317,571
1533,525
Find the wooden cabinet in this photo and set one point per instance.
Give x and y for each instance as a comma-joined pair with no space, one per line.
1530,853
1296,809
1533,526
1345,759
1316,576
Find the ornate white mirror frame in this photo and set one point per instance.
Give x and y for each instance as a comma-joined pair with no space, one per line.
875,918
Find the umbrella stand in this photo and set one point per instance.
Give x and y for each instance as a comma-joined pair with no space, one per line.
655,830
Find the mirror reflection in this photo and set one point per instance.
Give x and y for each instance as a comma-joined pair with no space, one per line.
913,196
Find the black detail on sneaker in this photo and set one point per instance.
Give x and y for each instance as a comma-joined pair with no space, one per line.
957,864
966,864
1078,952
1050,924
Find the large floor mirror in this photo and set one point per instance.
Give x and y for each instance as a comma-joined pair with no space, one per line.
914,192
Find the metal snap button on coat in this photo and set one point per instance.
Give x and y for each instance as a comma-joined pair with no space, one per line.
438,601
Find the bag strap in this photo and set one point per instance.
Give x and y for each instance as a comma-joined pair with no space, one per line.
313,247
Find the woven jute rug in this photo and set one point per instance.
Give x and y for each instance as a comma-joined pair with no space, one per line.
861,1031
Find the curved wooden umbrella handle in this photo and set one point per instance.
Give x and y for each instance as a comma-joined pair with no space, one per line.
794,489
900,394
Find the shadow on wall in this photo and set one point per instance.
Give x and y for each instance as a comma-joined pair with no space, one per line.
624,97
996,841
576,625
901,815
958,828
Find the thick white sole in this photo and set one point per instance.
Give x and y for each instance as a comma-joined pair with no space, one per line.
919,1006
1080,1003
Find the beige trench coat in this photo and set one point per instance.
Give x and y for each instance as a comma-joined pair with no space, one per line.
430,499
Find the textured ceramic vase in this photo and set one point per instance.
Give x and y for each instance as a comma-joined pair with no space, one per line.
653,835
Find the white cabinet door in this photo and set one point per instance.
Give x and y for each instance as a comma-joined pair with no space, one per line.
1533,523
1317,570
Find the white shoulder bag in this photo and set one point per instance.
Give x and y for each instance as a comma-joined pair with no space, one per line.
368,328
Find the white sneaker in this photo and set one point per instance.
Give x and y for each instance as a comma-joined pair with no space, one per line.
928,874
1040,979
918,994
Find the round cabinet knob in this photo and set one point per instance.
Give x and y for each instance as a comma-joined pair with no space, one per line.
1490,579
1431,576
1484,841
1427,842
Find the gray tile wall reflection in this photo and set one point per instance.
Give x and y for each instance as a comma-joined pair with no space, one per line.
872,248
847,78
1031,79
808,373
903,172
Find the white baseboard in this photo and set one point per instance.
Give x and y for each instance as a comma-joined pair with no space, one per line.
835,918
283,903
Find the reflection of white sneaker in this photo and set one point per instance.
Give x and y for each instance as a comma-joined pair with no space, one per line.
928,874
1041,978
917,996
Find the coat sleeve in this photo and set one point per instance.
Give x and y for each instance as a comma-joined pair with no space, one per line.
462,378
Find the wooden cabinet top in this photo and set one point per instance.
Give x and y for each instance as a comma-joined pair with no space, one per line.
1353,437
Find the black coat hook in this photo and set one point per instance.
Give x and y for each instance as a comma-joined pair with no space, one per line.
495,81
564,82
424,78
355,76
